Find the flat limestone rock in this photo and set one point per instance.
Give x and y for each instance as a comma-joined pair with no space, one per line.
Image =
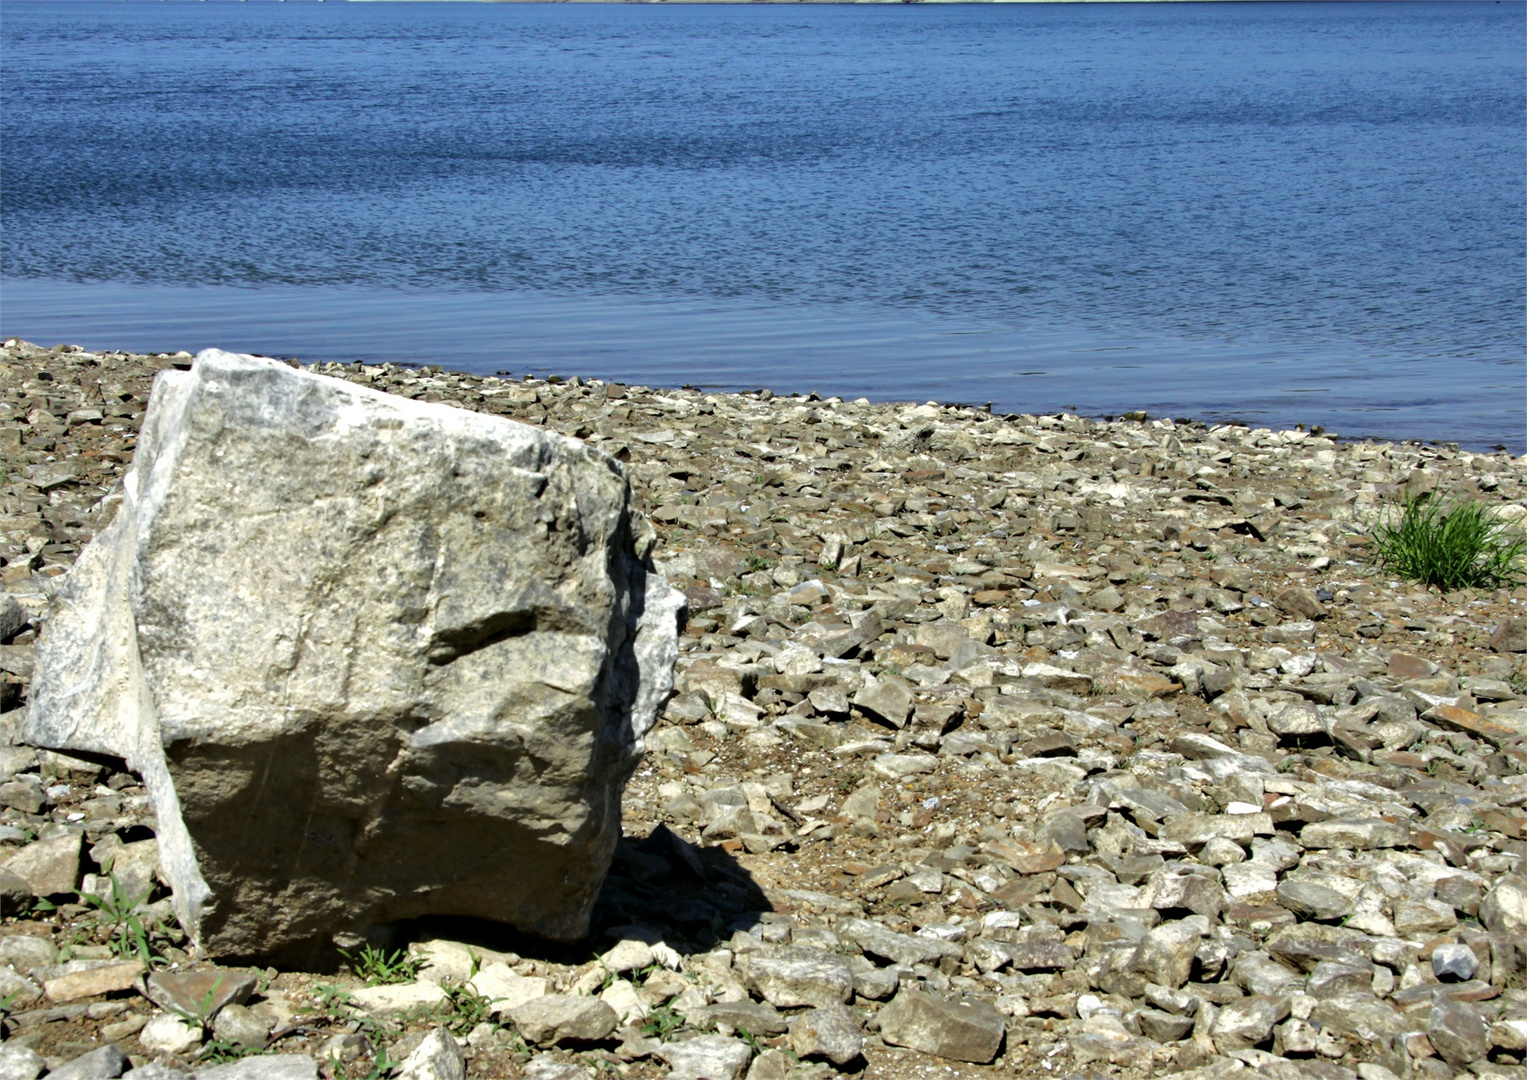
963,1029
374,659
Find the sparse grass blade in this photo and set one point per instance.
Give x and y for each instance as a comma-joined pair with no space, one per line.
1450,545
380,968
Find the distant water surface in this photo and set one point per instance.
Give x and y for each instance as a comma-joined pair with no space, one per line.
1277,213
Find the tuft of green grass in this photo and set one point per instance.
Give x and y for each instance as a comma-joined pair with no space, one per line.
380,968
463,1009
221,1052
1450,544
119,915
662,1022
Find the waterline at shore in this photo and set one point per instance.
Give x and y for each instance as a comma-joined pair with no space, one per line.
831,350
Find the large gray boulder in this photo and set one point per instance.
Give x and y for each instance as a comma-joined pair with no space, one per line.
374,659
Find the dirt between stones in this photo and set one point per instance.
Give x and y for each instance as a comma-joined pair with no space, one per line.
1099,748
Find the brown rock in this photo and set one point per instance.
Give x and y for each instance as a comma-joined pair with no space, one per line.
1511,635
52,866
93,982
198,994
1405,666
962,1029
1456,718
1300,601
1168,626
1027,858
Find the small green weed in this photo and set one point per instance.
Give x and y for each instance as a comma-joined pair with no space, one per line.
662,1022
203,1012
1450,544
221,1051
463,1009
119,913
380,968
379,1067
752,1040
332,999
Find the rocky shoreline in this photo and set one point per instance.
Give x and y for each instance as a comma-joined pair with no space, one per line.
1030,745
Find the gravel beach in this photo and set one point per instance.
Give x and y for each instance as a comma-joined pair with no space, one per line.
1002,745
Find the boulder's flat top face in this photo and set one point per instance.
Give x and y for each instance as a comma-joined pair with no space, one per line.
390,652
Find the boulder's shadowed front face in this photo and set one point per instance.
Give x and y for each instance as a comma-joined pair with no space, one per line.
389,659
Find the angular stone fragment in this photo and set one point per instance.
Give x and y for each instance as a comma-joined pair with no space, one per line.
1246,1022
1504,908
962,1030
198,994
18,989
1040,955
20,1062
1300,601
1357,833
1424,916
1028,858
49,867
1311,901
1510,635
1455,962
874,983
1067,831
399,998
1261,974
558,1018
103,1064
240,1026
27,951
1457,1033
1506,1034
263,1067
436,655
13,617
827,1032
901,766
103,979
888,701
1337,978
28,798
135,867
800,977
1454,718
629,1005
1163,1026
1166,954
909,949
438,1057
15,894
1361,1015
1299,719
169,1034
754,1017
709,1057
1195,830
1179,888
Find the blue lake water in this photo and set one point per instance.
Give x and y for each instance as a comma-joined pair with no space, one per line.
1276,213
